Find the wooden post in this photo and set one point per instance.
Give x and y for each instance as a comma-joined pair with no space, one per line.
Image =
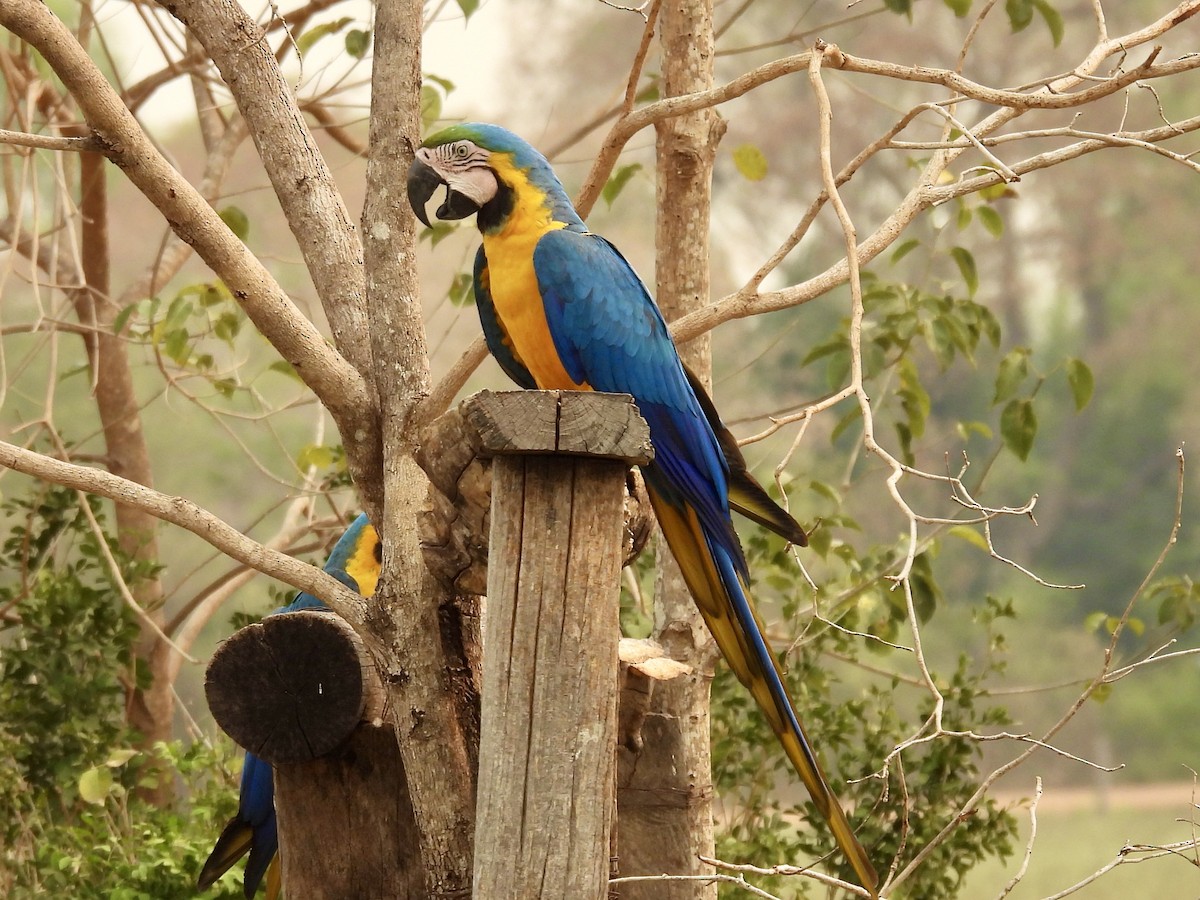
301,691
550,673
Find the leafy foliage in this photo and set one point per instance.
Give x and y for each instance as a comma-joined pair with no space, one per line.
74,825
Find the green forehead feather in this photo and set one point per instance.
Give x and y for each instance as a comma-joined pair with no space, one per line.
449,135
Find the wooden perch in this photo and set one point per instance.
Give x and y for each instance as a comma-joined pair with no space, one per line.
346,826
294,686
457,516
547,777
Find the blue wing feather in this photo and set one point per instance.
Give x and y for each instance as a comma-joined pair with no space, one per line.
610,334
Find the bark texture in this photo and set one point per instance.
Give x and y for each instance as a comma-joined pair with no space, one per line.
425,637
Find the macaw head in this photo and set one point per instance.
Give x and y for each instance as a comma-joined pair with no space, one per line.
359,555
485,169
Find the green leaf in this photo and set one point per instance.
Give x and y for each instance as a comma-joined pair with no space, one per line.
991,220
118,756
358,42
941,341
835,345
1018,426
620,178
926,594
904,249
1013,369
437,233
967,428
176,345
905,437
431,105
960,7
904,7
821,489
237,220
997,191
178,312
445,84
851,416
914,399
317,456
468,7
1079,377
750,162
305,42
118,324
1020,13
227,326
283,367
990,325
650,92
1054,20
1094,620
966,265
970,535
964,216
461,289
95,784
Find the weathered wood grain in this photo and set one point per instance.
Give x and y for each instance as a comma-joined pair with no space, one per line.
456,518
547,751
574,422
346,826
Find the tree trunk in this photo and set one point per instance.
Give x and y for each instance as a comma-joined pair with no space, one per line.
416,625
665,791
149,709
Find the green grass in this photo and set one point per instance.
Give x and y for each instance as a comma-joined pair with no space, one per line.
1073,843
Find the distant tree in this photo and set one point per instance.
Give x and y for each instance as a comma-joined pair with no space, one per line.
156,275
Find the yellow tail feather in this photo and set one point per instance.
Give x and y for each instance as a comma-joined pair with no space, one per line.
690,549
274,879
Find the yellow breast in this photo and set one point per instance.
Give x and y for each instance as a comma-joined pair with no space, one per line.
514,287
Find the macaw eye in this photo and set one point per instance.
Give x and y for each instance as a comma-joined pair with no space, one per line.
461,151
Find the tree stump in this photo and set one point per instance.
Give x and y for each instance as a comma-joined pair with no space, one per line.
301,691
294,686
547,777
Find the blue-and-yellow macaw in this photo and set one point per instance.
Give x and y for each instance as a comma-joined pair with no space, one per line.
562,310
355,561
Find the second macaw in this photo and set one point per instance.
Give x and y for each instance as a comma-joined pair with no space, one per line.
355,561
562,310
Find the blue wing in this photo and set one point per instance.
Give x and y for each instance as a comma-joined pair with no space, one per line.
610,334
254,828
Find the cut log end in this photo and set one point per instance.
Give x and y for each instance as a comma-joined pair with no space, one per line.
292,687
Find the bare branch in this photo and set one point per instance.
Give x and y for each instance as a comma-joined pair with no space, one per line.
334,380
186,514
1016,879
49,142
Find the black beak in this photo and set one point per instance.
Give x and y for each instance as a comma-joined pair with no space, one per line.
422,182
